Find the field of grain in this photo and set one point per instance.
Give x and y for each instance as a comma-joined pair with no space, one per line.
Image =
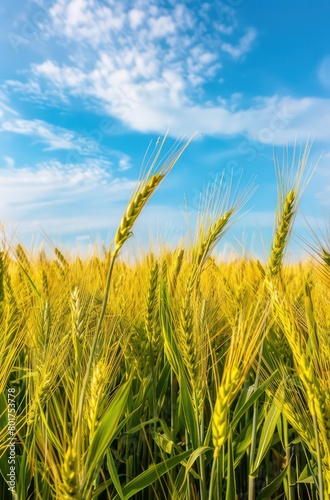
177,377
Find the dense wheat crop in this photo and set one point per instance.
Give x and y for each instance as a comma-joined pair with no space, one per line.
178,376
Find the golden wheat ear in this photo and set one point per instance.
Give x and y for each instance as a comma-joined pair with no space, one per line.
158,170
292,179
218,209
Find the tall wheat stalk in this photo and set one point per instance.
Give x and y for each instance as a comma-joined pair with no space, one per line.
140,197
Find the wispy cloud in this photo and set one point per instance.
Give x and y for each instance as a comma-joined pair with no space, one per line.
243,46
53,137
66,193
9,162
130,63
148,71
79,202
5,108
153,106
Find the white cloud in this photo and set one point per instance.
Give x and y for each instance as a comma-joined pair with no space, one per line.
78,200
62,197
155,105
125,162
161,27
9,162
35,91
148,71
85,20
71,76
135,17
35,184
52,136
79,146
5,109
270,120
118,53
244,44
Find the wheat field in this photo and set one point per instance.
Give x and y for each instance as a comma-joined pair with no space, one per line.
176,377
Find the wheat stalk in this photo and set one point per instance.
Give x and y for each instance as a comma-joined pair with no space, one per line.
306,366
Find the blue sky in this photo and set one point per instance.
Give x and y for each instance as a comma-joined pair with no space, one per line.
85,85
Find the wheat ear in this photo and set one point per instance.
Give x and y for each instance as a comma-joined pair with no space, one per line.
143,193
211,238
282,234
70,481
61,258
226,393
152,308
97,392
134,209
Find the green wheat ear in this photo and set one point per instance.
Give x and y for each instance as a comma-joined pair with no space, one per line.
70,485
282,234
